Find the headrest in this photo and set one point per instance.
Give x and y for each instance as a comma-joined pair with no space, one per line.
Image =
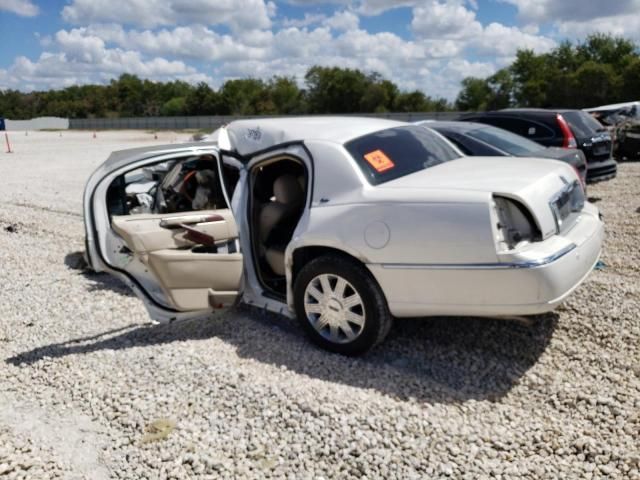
287,190
206,178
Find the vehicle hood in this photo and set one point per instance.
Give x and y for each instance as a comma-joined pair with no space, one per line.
532,181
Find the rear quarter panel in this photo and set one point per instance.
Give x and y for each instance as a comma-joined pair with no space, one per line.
403,232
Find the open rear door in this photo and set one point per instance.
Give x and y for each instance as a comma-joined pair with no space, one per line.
162,224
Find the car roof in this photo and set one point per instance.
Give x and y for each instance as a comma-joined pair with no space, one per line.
453,125
534,110
511,112
254,135
613,106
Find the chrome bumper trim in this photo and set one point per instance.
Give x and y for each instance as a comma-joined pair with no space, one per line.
483,266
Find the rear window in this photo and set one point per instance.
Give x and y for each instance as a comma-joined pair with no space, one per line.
506,141
582,124
389,154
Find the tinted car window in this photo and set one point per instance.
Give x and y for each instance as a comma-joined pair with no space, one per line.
525,128
504,140
396,152
468,145
582,124
520,127
456,140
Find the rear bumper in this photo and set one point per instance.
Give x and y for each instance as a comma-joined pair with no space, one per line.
598,171
533,282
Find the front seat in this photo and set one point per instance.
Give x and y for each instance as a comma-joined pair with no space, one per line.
278,220
206,196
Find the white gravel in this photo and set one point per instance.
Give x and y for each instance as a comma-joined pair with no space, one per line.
83,373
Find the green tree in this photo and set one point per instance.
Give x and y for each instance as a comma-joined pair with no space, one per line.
630,80
242,96
174,107
286,97
501,86
130,95
606,49
597,71
595,84
202,100
335,90
474,95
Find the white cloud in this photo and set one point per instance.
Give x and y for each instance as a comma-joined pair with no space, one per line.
194,42
366,7
85,59
576,19
501,41
307,20
627,26
376,7
344,21
162,39
437,21
460,68
448,21
572,10
238,14
24,8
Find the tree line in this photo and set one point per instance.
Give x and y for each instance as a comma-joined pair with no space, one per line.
326,90
601,70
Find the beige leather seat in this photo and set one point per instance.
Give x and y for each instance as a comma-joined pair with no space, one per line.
278,220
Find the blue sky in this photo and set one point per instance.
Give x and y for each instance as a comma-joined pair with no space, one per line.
419,44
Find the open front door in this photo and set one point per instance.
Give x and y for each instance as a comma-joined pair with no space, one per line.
162,223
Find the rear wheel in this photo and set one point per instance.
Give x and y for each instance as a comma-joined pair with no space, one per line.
340,305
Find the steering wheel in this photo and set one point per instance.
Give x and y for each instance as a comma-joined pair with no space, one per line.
185,181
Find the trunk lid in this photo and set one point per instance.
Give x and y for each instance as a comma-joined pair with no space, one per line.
534,182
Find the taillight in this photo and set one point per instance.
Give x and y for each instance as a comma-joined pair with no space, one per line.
569,140
515,224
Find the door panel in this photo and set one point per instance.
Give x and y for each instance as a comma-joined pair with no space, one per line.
186,269
187,276
144,233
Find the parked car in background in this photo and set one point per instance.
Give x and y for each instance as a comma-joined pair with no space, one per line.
478,139
623,122
342,222
626,110
558,128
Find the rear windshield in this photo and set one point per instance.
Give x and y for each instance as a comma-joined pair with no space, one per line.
582,124
506,141
396,152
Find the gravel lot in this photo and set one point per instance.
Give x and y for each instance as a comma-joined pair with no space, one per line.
89,388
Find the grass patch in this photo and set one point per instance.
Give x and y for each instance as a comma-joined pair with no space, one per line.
158,430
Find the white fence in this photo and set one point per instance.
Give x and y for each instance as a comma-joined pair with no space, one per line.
40,123
177,123
214,121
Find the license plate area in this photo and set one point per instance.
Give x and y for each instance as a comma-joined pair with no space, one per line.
601,149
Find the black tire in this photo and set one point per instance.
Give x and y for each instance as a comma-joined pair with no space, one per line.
378,320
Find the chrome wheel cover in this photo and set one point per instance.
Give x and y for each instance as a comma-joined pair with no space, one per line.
334,308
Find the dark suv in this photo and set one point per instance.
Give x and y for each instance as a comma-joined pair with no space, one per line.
558,128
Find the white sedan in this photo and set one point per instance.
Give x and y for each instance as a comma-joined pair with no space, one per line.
341,222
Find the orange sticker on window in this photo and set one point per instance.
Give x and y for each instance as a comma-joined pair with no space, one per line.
378,160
